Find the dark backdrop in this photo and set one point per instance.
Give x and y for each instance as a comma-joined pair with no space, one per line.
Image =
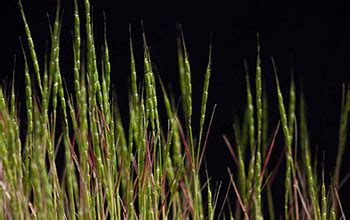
314,40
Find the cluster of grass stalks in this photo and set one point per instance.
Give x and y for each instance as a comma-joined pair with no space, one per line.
306,195
145,170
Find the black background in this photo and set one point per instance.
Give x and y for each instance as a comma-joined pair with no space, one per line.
314,40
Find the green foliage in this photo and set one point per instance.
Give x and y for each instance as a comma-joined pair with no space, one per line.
149,171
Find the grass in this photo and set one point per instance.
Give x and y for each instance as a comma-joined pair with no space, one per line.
147,170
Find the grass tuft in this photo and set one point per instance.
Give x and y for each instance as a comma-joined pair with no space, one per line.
150,169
